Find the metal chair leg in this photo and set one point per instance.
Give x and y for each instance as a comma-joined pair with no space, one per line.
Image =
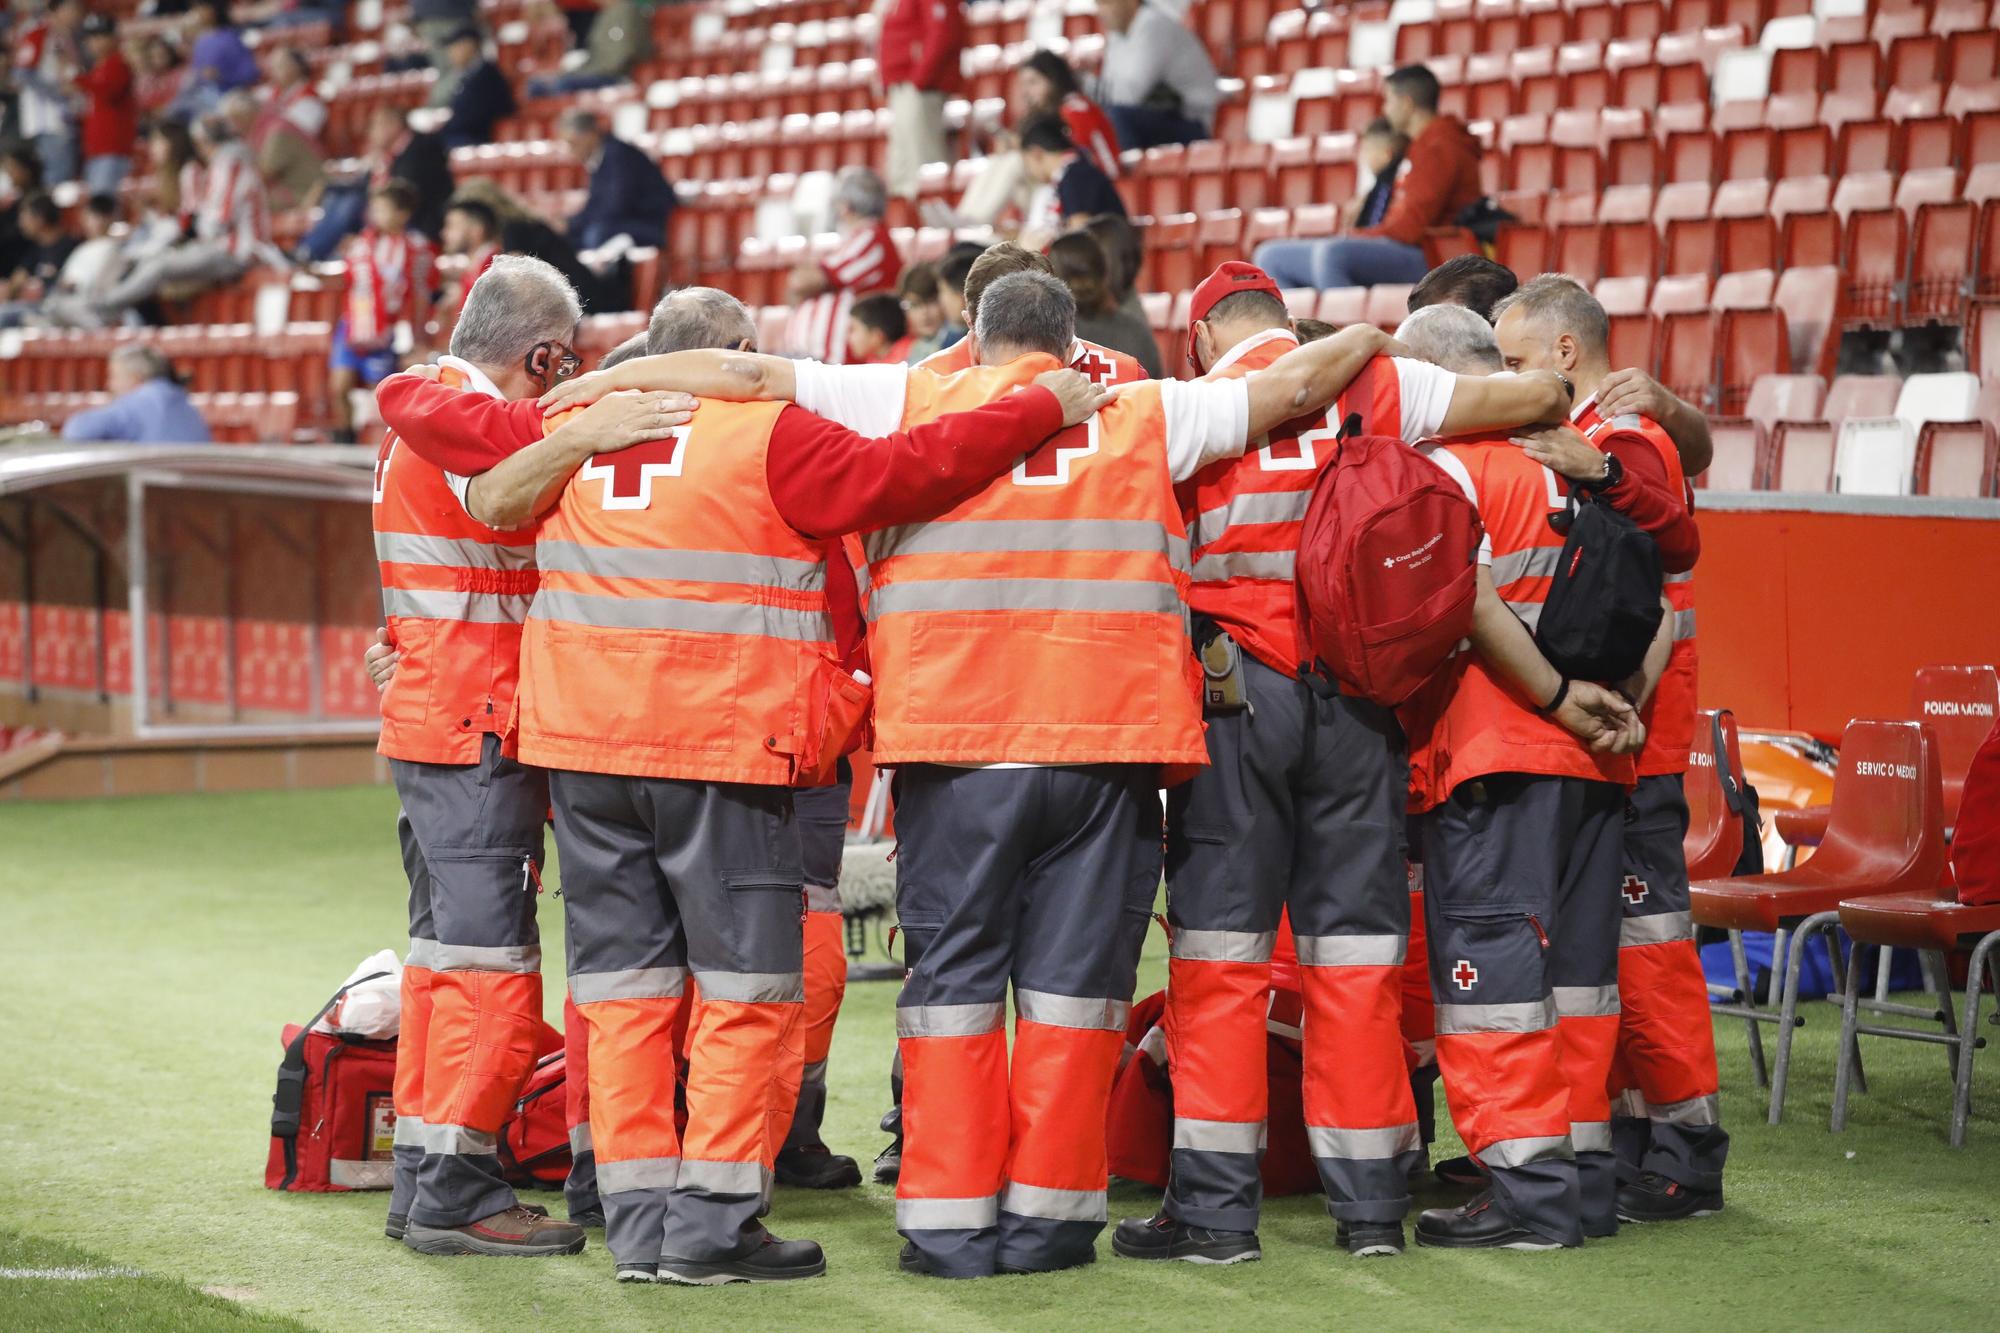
1882,961
1850,1040
1788,1012
1838,970
1748,994
1969,1041
1939,978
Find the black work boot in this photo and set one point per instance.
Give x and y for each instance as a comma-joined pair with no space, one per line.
1654,1198
1478,1224
767,1259
1163,1237
815,1167
1366,1240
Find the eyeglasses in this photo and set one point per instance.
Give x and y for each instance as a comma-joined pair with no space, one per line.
563,360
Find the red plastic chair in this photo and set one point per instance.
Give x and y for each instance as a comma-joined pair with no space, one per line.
1956,459
1886,835
1714,839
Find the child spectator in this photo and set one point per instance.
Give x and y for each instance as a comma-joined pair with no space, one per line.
923,309
1073,188
391,277
952,270
92,266
877,332
1382,150
110,111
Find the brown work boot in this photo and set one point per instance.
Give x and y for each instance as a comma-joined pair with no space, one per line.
514,1231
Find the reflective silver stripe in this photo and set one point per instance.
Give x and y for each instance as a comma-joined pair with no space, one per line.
1586,1001
1685,576
947,1214
1590,1135
474,608
410,548
1693,1111
1529,612
1222,946
1535,562
1631,1103
1246,565
1071,1011
1218,1135
1352,950
1253,508
1364,1145
1684,624
822,898
1660,928
950,1020
409,1131
458,1141
360,1175
1458,1019
421,953
636,983
814,1073
487,958
580,1140
682,613
636,562
1054,1204
979,536
641,1173
1520,1152
752,987
722,1177
1024,595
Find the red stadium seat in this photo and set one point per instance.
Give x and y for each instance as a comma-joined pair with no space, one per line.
1801,457
1853,67
1523,248
1799,70
1388,305
1751,343
1862,191
1687,348
1579,251
1690,246
1867,145
1341,306
1930,143
1738,462
1807,240
1934,185
1220,237
1691,155
1170,252
1973,56
1941,262
1775,398
1957,459
1809,297
1877,249
1982,340
1681,292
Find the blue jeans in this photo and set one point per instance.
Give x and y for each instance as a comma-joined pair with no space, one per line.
555,85
105,173
340,212
1341,261
1148,127
57,149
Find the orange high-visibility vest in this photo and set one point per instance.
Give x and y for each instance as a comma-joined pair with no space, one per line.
1471,723
1042,620
681,629
1093,361
454,593
1669,714
1245,513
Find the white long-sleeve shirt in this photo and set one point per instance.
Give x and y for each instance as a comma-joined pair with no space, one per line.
1158,49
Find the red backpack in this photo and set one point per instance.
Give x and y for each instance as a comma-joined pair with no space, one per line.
1387,567
534,1143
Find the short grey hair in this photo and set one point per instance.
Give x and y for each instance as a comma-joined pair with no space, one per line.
697,317
632,348
862,193
517,303
580,120
1031,312
1560,304
149,362
1452,337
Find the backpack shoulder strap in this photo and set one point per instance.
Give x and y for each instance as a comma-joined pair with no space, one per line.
1732,796
290,1096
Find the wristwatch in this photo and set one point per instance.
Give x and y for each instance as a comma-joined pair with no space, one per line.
1568,386
1614,472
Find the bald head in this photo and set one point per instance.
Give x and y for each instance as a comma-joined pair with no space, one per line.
1553,323
1452,338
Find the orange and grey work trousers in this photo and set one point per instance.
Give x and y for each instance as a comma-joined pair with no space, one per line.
1666,1115
1299,810
822,817
1042,878
670,887
472,985
1521,910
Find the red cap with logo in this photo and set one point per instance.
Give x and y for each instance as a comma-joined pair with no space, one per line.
1230,278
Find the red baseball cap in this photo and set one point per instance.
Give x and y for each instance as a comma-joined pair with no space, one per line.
1230,278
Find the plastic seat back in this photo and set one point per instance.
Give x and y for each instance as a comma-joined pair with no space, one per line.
1886,831
1955,459
1958,703
1862,396
1775,398
1738,464
1874,456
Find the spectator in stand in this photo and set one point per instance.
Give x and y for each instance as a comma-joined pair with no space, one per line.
1157,83
93,265
1080,262
160,74
285,132
628,196
918,64
1125,253
47,55
525,232
1073,189
148,404
172,150
1043,85
391,277
218,61
1381,153
439,22
471,233
923,310
1472,281
21,169
393,151
877,331
110,111
226,225
1439,182
952,271
480,96
866,260
620,36
47,248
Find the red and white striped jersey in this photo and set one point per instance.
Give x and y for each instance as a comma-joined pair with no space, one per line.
865,262
225,199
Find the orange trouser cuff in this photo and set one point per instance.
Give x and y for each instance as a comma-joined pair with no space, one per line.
955,1116
481,1046
1504,1085
1666,1038
1355,1074
1216,1039
631,1076
1060,1089
737,1048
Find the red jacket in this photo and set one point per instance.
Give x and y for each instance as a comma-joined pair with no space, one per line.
921,41
1442,180
111,120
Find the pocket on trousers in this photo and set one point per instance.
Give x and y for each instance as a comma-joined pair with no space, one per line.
1488,952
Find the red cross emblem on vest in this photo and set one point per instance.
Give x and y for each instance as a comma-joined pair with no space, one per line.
628,474
1049,465
1634,890
1094,366
1286,452
1464,974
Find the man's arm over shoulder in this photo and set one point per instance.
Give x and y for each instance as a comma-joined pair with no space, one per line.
463,433
1645,494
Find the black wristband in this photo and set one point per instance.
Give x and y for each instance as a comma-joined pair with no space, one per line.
1562,693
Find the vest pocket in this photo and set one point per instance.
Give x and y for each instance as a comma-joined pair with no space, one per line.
1083,669
832,716
627,683
407,701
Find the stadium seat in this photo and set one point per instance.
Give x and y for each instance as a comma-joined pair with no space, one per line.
1687,351
1885,836
1775,398
1751,342
1876,245
1341,306
1738,462
1714,837
1876,455
1388,305
1956,459
1941,263
1982,339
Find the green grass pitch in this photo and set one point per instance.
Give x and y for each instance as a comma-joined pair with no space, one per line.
150,950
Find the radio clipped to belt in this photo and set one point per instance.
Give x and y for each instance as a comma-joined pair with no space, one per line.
1223,687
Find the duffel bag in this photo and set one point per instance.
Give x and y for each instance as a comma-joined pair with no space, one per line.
333,1116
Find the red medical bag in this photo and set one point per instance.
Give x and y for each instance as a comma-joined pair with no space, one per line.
333,1117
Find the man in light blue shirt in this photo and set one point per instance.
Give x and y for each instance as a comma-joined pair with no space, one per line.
149,407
